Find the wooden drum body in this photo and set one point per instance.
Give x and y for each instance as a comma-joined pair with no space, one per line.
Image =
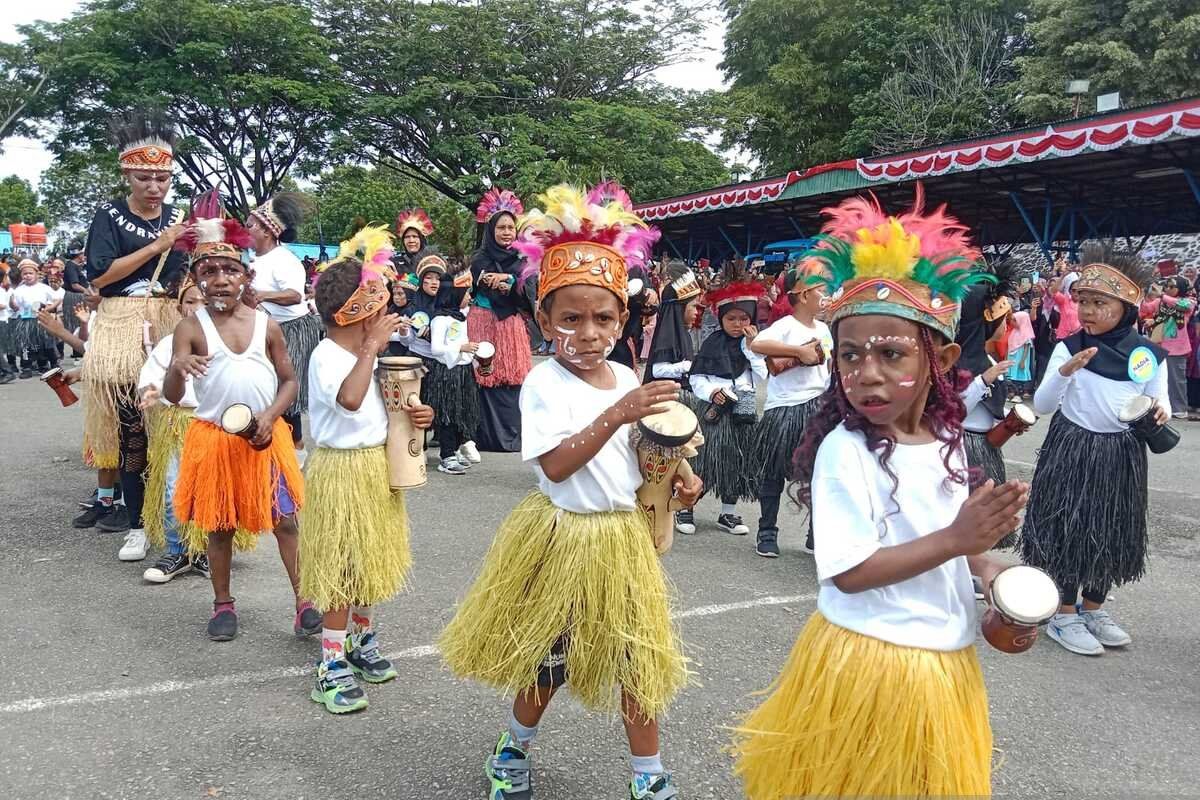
400,384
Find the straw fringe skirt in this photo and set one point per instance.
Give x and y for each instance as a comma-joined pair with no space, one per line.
592,580
852,716
453,395
225,484
355,544
301,336
115,353
513,358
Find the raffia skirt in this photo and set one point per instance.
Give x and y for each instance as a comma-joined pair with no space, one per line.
513,358
591,580
726,459
301,336
354,550
453,395
853,716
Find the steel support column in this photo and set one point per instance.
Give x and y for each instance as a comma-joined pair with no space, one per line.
1016,199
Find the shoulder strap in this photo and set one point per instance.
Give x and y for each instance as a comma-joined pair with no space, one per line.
258,342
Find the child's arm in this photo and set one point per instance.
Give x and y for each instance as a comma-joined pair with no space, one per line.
285,395
185,360
1059,370
53,325
354,388
573,452
981,387
987,515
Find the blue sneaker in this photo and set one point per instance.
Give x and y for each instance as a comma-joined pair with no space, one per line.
508,770
337,690
652,787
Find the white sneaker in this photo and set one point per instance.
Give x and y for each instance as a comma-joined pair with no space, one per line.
469,453
685,521
135,546
1072,632
1100,624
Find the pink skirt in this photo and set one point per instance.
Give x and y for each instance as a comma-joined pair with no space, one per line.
513,360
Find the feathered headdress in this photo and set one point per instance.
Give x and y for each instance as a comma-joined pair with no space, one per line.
917,266
210,234
414,218
498,201
372,246
1009,274
145,141
575,241
1120,274
282,214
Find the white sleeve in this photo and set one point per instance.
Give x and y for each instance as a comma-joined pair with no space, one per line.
1050,393
844,531
544,426
975,393
289,276
758,364
703,386
745,381
1158,388
154,371
325,376
676,370
445,346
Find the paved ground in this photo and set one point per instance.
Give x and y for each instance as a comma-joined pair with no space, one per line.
112,690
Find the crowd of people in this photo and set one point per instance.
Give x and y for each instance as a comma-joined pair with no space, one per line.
228,397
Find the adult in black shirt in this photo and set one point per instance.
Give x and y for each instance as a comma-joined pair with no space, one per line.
129,235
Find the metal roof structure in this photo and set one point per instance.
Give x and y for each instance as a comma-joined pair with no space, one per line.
1131,173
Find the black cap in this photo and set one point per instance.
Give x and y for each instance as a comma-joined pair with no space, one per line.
74,248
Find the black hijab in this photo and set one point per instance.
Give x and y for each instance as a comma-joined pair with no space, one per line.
1114,348
721,354
405,261
449,299
492,257
973,334
672,340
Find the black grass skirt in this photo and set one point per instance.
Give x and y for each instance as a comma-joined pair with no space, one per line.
776,437
7,345
31,337
985,458
454,396
1086,520
725,461
301,336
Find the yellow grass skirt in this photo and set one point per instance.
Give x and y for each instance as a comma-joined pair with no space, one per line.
852,716
115,353
593,578
166,426
354,541
225,484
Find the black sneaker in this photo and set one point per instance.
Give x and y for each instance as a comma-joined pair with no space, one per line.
26,374
115,521
732,523
169,566
768,543
90,516
808,544
685,521
200,565
223,626
366,661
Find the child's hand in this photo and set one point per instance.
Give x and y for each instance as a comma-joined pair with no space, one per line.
51,324
379,331
987,516
191,366
749,332
150,398
645,400
810,354
719,397
82,313
688,491
421,416
995,371
1161,417
1077,362
73,376
470,347
264,430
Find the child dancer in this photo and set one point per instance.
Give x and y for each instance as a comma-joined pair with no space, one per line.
883,694
799,344
354,552
572,590
670,353
234,354
1020,356
723,374
1086,523
27,300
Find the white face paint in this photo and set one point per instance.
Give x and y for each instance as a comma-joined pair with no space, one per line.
608,348
565,344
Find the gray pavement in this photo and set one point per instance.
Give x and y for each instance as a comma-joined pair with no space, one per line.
112,690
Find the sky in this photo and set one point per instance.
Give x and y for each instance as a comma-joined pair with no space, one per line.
28,158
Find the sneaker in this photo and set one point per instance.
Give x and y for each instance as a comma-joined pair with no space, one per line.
1108,633
115,521
808,544
685,521
1179,415
768,543
451,466
1071,632
200,565
26,374
94,497
7,377
91,516
732,523
508,770
168,566
652,787
223,626
337,690
365,660
134,547
308,620
469,453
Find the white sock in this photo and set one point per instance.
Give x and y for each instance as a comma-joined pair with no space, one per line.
646,765
728,508
333,645
523,734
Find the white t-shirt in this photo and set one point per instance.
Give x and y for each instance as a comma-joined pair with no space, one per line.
5,296
332,425
979,417
154,373
280,271
58,294
855,515
799,384
1093,401
556,405
31,298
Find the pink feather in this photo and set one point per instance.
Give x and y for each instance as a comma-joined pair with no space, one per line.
604,193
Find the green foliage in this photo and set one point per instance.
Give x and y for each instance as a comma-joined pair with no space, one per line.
21,81
75,183
18,202
1149,50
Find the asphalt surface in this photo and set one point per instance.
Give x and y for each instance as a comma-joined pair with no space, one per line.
113,691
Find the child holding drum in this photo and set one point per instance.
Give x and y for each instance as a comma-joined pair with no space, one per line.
1086,523
355,550
572,590
883,693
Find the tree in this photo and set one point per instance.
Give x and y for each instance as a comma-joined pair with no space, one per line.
18,202
76,183
460,95
1148,51
21,81
248,82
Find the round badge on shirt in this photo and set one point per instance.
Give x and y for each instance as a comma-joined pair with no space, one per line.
1142,365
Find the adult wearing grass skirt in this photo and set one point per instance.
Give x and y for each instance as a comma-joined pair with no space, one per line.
279,288
1086,521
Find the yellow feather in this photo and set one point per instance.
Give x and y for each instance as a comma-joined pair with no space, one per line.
567,204
886,251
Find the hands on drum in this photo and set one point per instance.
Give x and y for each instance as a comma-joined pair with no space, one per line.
647,399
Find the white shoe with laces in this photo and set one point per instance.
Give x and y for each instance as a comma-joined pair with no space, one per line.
469,453
135,546
1100,624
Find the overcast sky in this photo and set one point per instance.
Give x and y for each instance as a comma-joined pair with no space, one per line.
28,158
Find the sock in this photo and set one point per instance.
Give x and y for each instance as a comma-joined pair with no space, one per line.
649,766
728,508
523,735
105,496
333,645
360,621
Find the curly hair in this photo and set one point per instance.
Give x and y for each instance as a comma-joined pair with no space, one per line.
335,286
943,415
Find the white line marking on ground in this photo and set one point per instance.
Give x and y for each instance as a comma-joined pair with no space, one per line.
264,676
